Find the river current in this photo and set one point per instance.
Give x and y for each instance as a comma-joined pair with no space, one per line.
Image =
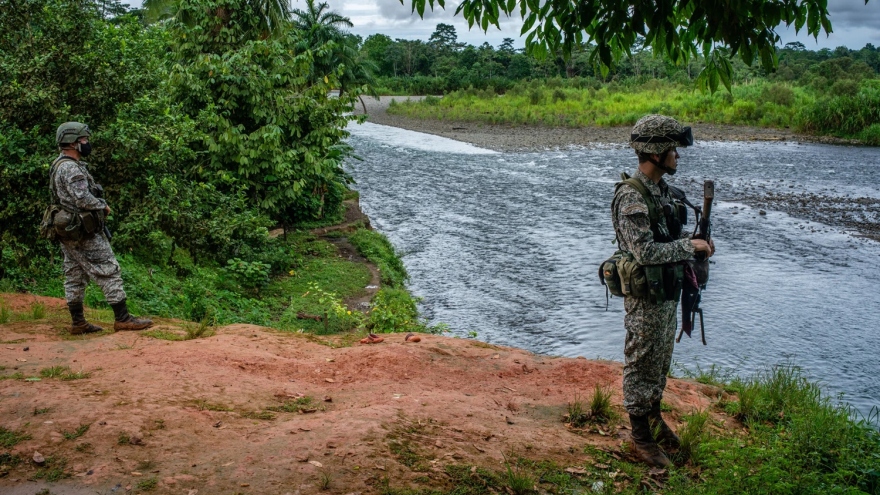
507,245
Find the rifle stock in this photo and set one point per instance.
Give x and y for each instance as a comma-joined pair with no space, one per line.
692,290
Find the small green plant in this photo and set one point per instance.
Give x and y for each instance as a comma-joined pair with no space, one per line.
123,439
204,405
518,480
394,310
250,274
147,484
9,438
38,311
5,314
324,481
600,405
332,305
577,415
83,447
205,328
41,410
472,334
78,432
692,435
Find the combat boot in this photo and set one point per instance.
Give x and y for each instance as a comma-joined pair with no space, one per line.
125,321
664,433
644,446
80,325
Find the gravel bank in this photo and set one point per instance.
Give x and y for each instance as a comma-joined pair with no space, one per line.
537,138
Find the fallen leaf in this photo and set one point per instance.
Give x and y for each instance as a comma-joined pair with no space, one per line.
330,360
20,360
244,485
329,380
574,470
135,473
316,464
229,463
602,466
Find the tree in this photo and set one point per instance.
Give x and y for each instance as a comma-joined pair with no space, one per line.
272,14
444,38
678,29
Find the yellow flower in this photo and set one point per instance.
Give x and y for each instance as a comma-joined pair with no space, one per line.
292,273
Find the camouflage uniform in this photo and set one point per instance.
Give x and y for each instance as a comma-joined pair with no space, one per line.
87,258
650,326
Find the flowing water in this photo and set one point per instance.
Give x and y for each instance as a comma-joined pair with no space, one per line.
507,245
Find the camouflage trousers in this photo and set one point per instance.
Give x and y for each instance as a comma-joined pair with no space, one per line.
650,338
91,259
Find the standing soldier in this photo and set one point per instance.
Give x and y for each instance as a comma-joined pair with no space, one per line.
647,224
79,224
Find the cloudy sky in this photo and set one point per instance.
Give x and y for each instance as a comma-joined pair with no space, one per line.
854,23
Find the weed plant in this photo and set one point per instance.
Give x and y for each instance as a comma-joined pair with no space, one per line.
691,436
10,438
5,314
600,405
78,432
577,415
38,311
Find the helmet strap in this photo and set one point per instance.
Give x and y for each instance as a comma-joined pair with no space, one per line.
660,164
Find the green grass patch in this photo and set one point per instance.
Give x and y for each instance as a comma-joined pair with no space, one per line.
298,405
10,438
147,484
63,373
53,470
78,432
378,249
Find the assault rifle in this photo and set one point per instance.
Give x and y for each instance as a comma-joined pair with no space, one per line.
697,271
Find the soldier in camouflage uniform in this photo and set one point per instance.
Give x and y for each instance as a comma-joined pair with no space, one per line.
87,255
650,326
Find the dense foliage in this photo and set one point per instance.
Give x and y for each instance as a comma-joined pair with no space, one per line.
676,30
206,130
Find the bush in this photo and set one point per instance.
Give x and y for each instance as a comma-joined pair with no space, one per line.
394,310
376,248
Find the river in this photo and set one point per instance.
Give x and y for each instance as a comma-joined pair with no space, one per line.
507,245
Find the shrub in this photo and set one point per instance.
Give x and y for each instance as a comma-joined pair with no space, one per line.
394,310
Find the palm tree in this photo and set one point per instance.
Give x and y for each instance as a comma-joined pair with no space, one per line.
319,24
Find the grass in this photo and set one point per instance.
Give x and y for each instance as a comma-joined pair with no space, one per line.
600,405
298,405
41,410
10,438
63,373
795,441
324,481
78,432
147,484
614,105
53,470
38,311
123,439
5,314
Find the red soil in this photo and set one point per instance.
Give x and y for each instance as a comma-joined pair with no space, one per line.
184,407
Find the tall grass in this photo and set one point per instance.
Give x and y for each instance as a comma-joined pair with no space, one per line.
846,115
759,103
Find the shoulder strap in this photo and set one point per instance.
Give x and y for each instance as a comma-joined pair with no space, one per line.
650,202
53,170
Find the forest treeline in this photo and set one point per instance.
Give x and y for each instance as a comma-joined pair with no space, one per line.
821,92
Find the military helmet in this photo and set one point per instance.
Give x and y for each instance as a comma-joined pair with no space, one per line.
69,132
656,134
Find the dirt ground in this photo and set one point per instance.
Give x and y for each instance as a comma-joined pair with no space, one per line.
193,417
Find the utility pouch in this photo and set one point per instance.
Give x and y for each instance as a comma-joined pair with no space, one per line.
634,281
92,222
47,225
701,270
654,281
673,277
608,275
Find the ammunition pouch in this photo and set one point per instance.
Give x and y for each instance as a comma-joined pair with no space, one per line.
623,277
70,225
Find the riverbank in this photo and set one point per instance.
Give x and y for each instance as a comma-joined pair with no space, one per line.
540,138
859,215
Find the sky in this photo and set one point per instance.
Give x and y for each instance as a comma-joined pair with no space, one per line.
854,23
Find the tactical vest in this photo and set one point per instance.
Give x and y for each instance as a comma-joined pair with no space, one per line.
65,223
620,273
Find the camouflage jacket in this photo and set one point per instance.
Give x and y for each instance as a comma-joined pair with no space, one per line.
633,226
74,184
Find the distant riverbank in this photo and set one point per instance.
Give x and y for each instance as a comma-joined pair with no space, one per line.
537,138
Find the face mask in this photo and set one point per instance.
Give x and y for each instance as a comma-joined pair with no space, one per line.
85,149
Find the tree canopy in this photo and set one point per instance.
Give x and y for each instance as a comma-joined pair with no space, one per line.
677,29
